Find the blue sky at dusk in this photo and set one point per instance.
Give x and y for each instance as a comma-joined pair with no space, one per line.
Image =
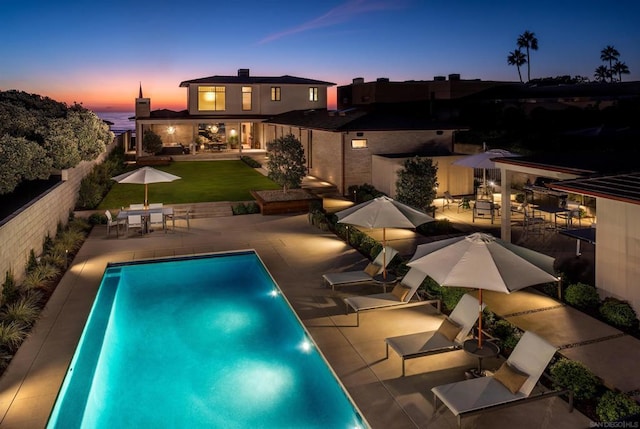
97,53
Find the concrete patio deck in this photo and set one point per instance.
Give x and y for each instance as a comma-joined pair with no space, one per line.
297,254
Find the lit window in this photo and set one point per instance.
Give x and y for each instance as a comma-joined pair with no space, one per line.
275,93
246,98
359,144
211,98
313,93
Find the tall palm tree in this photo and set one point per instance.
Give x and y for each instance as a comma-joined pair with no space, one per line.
528,41
517,58
601,74
620,68
609,54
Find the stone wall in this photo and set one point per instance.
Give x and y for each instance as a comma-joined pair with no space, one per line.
26,229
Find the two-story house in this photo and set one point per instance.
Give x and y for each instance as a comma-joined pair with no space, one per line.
227,112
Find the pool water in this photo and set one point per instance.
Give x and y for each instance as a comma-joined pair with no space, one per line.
206,342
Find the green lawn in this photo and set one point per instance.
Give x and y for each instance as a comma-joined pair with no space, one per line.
201,181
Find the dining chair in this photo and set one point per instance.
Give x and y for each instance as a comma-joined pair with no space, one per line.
111,222
155,205
135,221
136,206
157,218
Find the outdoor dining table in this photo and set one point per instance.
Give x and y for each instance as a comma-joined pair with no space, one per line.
125,213
553,212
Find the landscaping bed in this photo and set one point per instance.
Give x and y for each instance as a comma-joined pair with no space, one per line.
279,202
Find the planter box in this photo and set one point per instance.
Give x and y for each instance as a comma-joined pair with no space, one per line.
154,160
277,202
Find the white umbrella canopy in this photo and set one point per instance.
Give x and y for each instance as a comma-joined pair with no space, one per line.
144,176
483,160
383,212
482,261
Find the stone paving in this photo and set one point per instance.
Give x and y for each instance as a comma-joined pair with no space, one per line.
297,254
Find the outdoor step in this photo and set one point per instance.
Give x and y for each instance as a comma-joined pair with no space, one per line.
205,210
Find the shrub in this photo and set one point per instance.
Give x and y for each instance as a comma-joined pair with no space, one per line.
362,193
151,142
10,290
507,333
97,219
573,375
11,336
619,313
32,262
438,227
250,161
253,208
239,209
615,406
451,296
582,296
25,311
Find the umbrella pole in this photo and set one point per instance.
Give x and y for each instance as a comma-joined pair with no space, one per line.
480,319
384,254
146,200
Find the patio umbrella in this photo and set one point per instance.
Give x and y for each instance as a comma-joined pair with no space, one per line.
144,176
483,160
482,261
383,212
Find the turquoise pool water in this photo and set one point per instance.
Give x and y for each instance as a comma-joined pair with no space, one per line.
201,342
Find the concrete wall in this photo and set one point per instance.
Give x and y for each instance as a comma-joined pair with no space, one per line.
618,251
26,230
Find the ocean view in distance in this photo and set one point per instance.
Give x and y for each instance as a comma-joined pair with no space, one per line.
120,120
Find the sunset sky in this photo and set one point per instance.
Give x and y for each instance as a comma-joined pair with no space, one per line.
97,53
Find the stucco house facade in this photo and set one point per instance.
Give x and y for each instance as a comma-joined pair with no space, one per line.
227,112
341,146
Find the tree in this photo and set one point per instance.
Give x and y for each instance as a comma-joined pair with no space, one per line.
21,159
416,184
609,54
620,69
517,58
286,163
601,74
528,41
151,142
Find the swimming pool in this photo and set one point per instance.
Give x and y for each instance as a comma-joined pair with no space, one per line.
206,341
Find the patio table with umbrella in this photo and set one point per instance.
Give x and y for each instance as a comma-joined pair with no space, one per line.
483,262
145,176
484,161
383,212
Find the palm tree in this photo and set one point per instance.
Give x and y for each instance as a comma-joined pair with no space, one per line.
601,74
620,69
528,41
517,58
609,54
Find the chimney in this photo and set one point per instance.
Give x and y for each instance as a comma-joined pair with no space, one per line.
439,78
382,79
358,80
243,72
454,76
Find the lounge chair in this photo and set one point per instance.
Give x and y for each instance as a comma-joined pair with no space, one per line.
463,316
350,277
511,385
402,293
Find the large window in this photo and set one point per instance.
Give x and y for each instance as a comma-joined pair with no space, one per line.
275,93
313,93
246,98
211,98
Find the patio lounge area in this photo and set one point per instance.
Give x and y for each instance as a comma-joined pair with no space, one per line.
297,254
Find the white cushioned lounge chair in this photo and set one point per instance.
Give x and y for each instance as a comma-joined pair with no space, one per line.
350,277
463,316
402,293
511,385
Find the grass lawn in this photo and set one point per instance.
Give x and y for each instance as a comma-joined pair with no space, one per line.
201,181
